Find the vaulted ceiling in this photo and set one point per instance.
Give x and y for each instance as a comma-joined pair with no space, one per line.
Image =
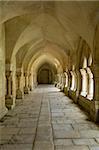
35,28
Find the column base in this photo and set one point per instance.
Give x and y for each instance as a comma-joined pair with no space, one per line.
9,102
62,88
26,90
3,112
66,91
19,94
58,85
30,88
94,111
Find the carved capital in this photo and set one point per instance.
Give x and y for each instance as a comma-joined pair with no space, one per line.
8,74
18,74
25,74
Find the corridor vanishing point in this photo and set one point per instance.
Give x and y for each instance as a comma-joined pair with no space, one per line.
49,75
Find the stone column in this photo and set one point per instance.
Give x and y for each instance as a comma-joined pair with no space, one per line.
64,79
69,83
19,94
8,97
57,85
94,111
84,75
90,83
59,81
79,83
26,89
56,81
69,80
64,82
30,84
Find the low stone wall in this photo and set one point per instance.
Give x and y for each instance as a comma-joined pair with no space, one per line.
3,109
72,95
85,103
65,90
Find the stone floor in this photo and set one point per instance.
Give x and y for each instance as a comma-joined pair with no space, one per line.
47,120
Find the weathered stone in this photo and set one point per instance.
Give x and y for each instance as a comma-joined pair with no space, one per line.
43,124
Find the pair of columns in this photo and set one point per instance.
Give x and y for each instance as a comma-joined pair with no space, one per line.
94,75
95,102
60,81
9,90
27,87
19,93
9,99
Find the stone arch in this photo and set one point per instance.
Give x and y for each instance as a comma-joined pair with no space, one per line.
46,74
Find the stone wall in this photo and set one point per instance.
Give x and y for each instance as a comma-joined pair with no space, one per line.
3,109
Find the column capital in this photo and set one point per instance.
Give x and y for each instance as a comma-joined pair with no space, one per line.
29,74
18,73
8,73
25,74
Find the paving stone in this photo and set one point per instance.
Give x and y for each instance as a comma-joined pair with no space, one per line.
89,133
84,142
71,148
9,130
21,139
66,127
59,134
16,147
43,146
94,147
81,126
63,142
27,130
47,120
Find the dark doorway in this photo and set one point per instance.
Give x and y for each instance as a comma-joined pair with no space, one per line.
45,74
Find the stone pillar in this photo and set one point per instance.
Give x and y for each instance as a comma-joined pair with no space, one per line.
19,94
84,89
69,80
90,83
69,84
26,89
35,83
79,83
8,97
64,82
64,79
94,111
56,80
30,84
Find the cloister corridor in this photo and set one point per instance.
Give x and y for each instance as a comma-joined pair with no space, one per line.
49,75
47,120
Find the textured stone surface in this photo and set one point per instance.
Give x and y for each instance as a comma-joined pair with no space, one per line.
47,120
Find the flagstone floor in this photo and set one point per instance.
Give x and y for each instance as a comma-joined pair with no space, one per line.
47,120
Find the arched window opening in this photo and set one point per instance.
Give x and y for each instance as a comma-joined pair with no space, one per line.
90,79
90,84
84,82
73,83
90,61
66,79
85,63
